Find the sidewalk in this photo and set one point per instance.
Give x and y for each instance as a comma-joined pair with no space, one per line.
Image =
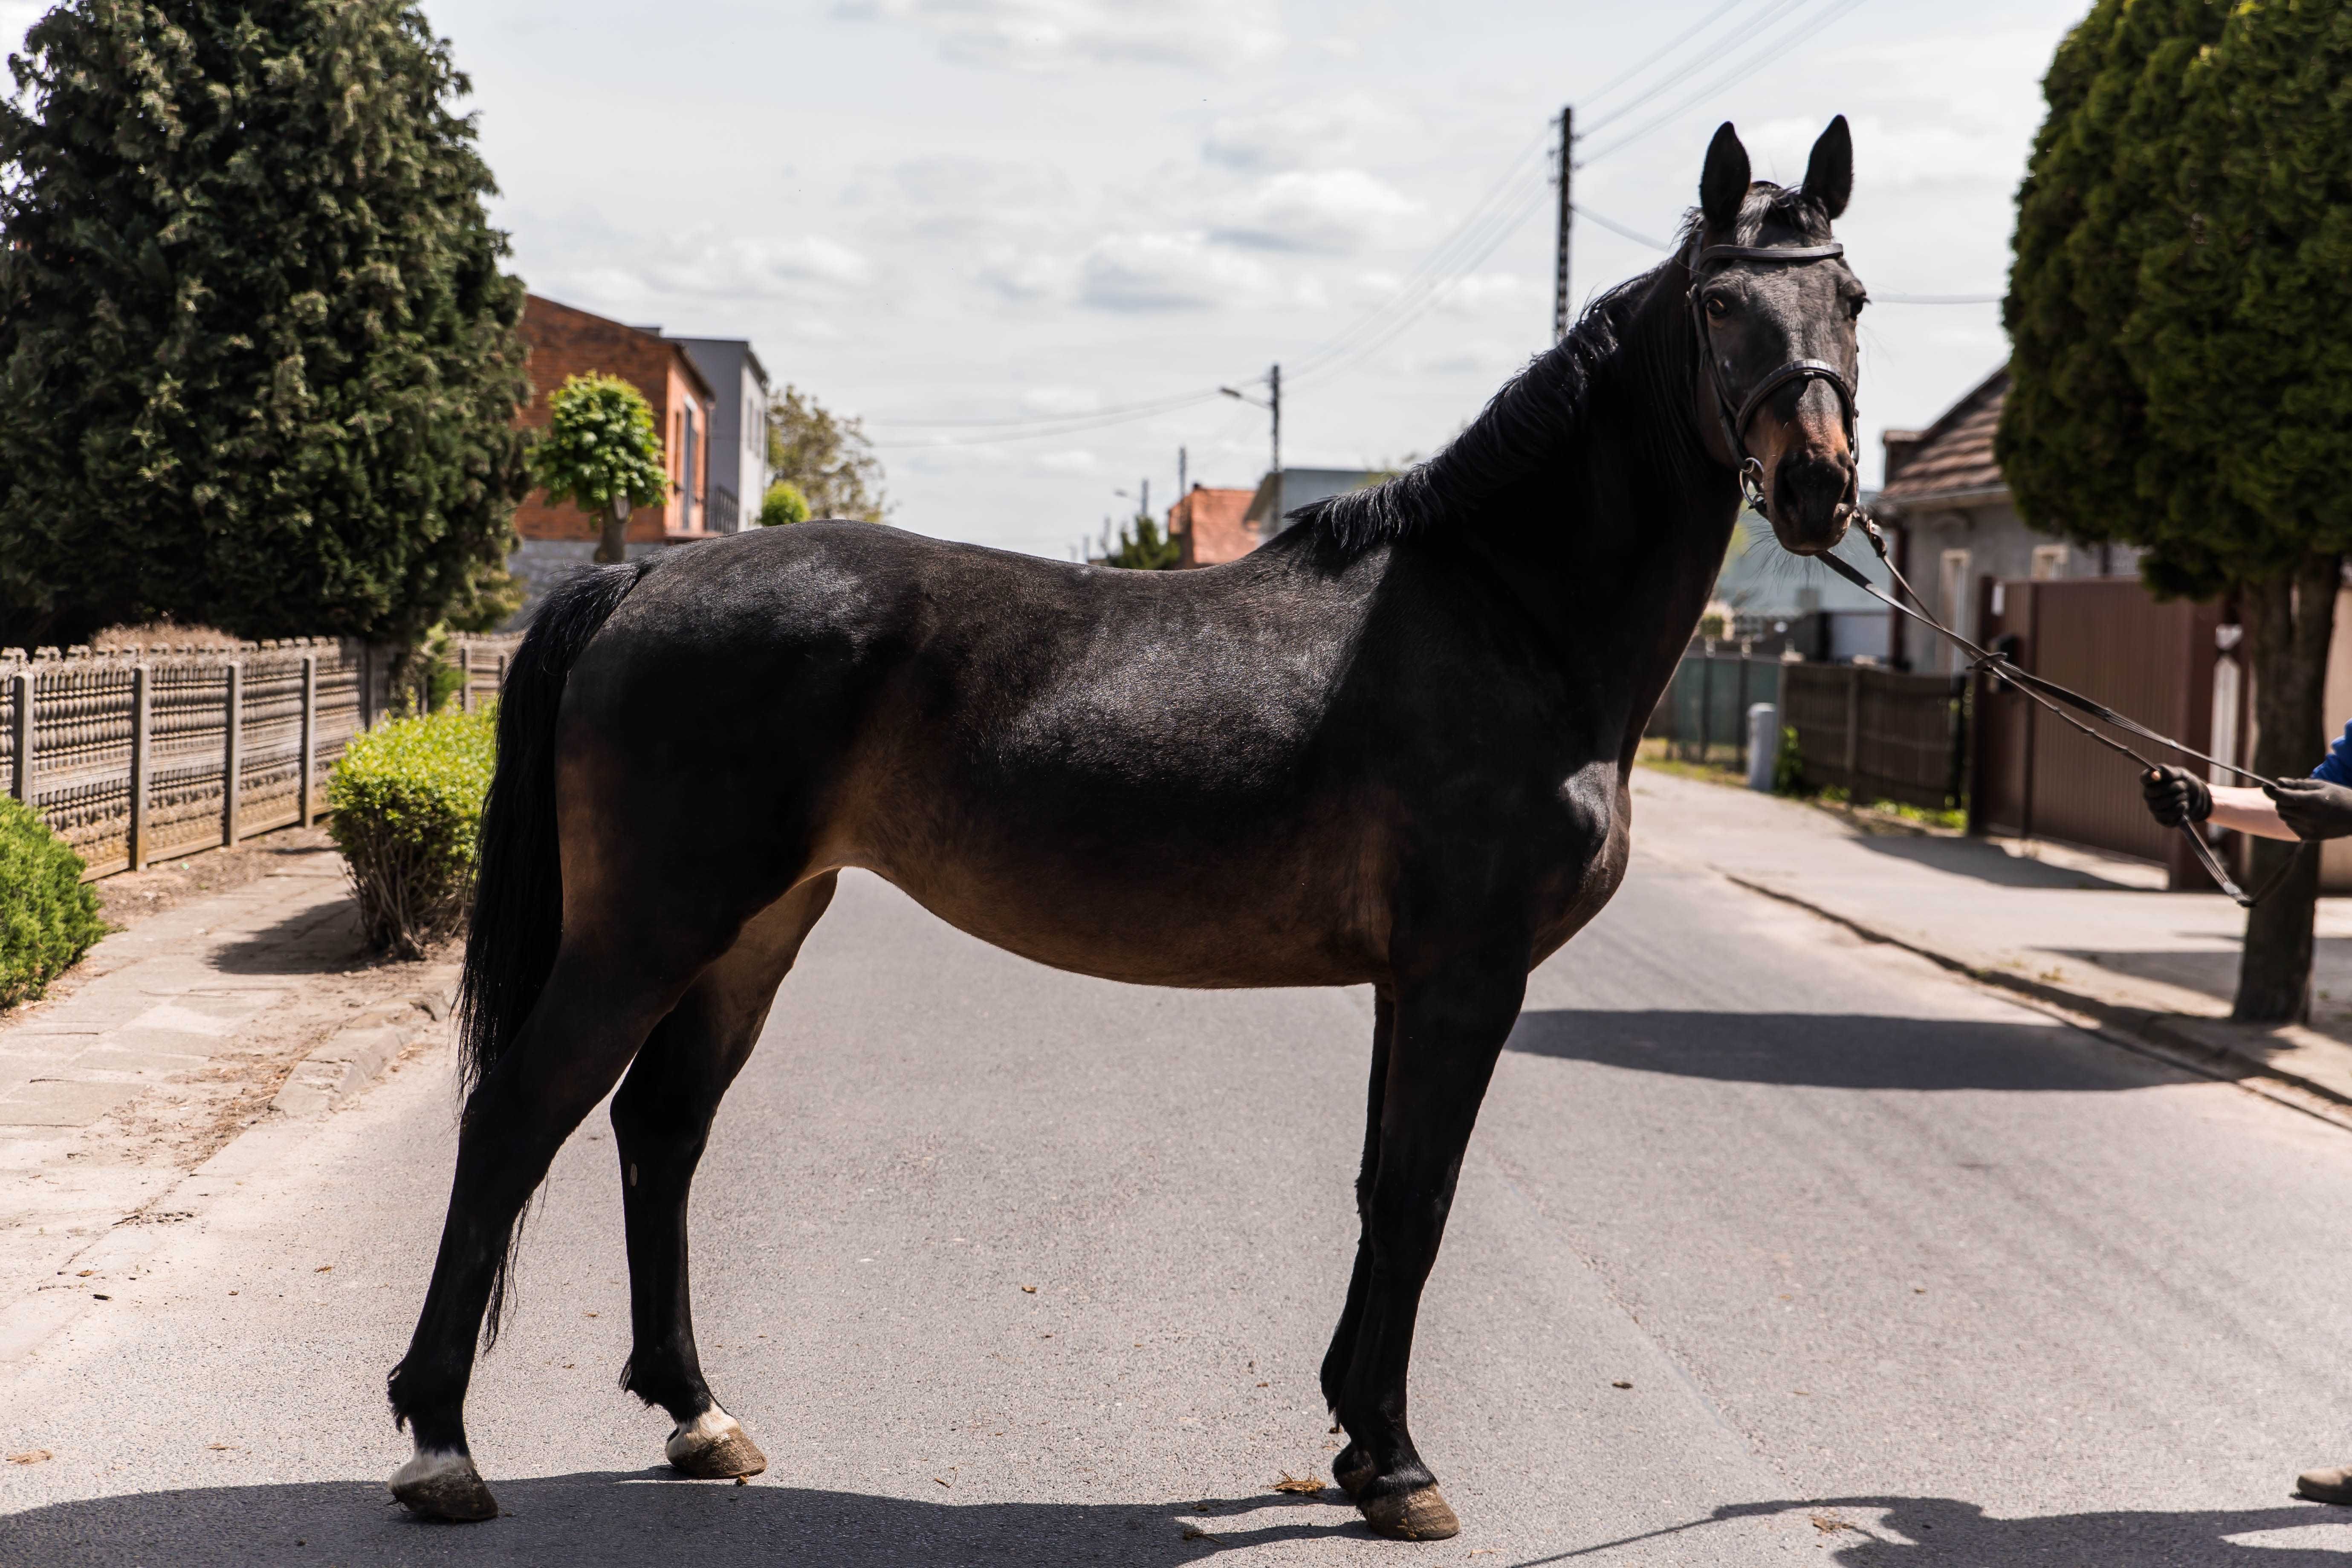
175,1037
2090,934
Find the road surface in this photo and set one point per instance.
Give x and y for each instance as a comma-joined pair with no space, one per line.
1896,1271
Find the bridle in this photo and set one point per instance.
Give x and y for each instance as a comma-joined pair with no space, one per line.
1735,416
2056,699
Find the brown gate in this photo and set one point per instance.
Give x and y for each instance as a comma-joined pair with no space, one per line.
2036,776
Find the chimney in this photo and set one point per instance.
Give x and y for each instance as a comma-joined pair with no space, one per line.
1900,445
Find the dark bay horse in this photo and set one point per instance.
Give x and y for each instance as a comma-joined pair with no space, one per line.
1390,748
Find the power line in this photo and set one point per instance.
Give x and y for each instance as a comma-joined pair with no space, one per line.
1747,66
1773,13
1677,41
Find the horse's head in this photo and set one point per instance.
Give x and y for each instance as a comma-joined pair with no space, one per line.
1774,307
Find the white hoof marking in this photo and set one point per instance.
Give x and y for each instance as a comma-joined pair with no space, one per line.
713,1427
432,1464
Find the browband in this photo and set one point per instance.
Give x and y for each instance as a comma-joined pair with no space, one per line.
1768,253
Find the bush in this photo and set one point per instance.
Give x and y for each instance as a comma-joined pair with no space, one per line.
408,800
783,505
1789,765
48,919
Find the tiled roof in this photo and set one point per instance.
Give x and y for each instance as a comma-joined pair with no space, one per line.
1211,526
1952,456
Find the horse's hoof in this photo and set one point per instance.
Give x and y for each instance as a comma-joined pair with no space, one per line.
1418,1515
2331,1485
1352,1470
442,1484
714,1447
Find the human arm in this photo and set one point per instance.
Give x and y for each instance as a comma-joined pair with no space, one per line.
2291,809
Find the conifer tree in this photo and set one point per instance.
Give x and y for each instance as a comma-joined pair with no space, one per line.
2180,377
258,364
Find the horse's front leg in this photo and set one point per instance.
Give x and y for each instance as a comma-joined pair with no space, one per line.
1449,1026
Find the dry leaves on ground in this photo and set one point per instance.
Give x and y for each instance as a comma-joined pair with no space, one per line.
29,1457
1306,1485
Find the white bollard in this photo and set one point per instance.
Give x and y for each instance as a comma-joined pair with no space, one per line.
1763,744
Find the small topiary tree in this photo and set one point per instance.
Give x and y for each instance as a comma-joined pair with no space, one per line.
47,918
601,453
407,801
783,505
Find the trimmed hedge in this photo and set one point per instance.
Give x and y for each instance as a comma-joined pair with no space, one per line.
47,918
407,802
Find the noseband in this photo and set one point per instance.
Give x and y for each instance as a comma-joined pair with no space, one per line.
1736,414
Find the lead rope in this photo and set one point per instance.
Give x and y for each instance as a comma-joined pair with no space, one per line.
2050,695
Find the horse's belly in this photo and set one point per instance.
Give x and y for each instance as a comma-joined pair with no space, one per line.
1183,928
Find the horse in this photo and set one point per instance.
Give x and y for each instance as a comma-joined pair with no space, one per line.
1390,747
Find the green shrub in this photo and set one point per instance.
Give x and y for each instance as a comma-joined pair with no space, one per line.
783,505
47,918
407,799
1789,766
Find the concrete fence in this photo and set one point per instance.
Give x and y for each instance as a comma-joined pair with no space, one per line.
137,755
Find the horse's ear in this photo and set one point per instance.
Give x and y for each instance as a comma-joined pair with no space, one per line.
1829,175
1723,184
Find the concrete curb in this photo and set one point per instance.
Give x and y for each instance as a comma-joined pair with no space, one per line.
2290,1064
357,1054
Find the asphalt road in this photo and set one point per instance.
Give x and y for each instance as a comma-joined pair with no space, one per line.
1896,1271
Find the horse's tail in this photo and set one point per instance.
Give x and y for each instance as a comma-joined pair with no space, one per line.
518,918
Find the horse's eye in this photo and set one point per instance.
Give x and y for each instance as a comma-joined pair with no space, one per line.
1853,305
1715,308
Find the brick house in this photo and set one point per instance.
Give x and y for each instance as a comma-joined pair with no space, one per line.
564,342
1208,527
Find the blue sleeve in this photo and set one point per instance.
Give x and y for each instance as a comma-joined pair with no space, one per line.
2335,767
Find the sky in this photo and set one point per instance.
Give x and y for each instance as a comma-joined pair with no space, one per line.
1027,240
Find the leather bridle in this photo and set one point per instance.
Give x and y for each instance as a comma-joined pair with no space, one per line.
1735,413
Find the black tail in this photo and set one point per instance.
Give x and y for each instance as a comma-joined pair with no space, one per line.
518,919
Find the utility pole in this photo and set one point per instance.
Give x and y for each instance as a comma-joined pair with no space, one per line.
1559,318
1143,506
1182,489
1274,383
1273,405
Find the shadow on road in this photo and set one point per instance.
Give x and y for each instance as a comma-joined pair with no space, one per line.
646,1517
1983,862
1827,1050
1947,1531
642,1518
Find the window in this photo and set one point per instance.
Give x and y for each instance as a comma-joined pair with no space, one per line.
2048,562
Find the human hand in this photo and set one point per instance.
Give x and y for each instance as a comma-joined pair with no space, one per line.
2175,796
2312,807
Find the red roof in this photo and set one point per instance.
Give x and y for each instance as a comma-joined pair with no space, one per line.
1210,525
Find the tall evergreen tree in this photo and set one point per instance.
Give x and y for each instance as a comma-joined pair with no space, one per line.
259,365
2180,377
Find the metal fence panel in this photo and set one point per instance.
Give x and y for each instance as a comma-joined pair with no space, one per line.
1879,734
1704,708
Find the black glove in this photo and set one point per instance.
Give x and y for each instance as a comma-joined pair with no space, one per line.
2312,807
2174,797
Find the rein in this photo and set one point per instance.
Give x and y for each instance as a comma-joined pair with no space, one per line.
2056,699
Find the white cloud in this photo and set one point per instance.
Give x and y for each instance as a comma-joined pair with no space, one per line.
1071,462
1168,272
1484,291
1060,400
1060,35
1297,135
757,268
1327,211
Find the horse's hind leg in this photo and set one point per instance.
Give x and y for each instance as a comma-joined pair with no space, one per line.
600,1002
661,1119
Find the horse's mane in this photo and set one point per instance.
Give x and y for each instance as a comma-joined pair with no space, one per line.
1532,420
